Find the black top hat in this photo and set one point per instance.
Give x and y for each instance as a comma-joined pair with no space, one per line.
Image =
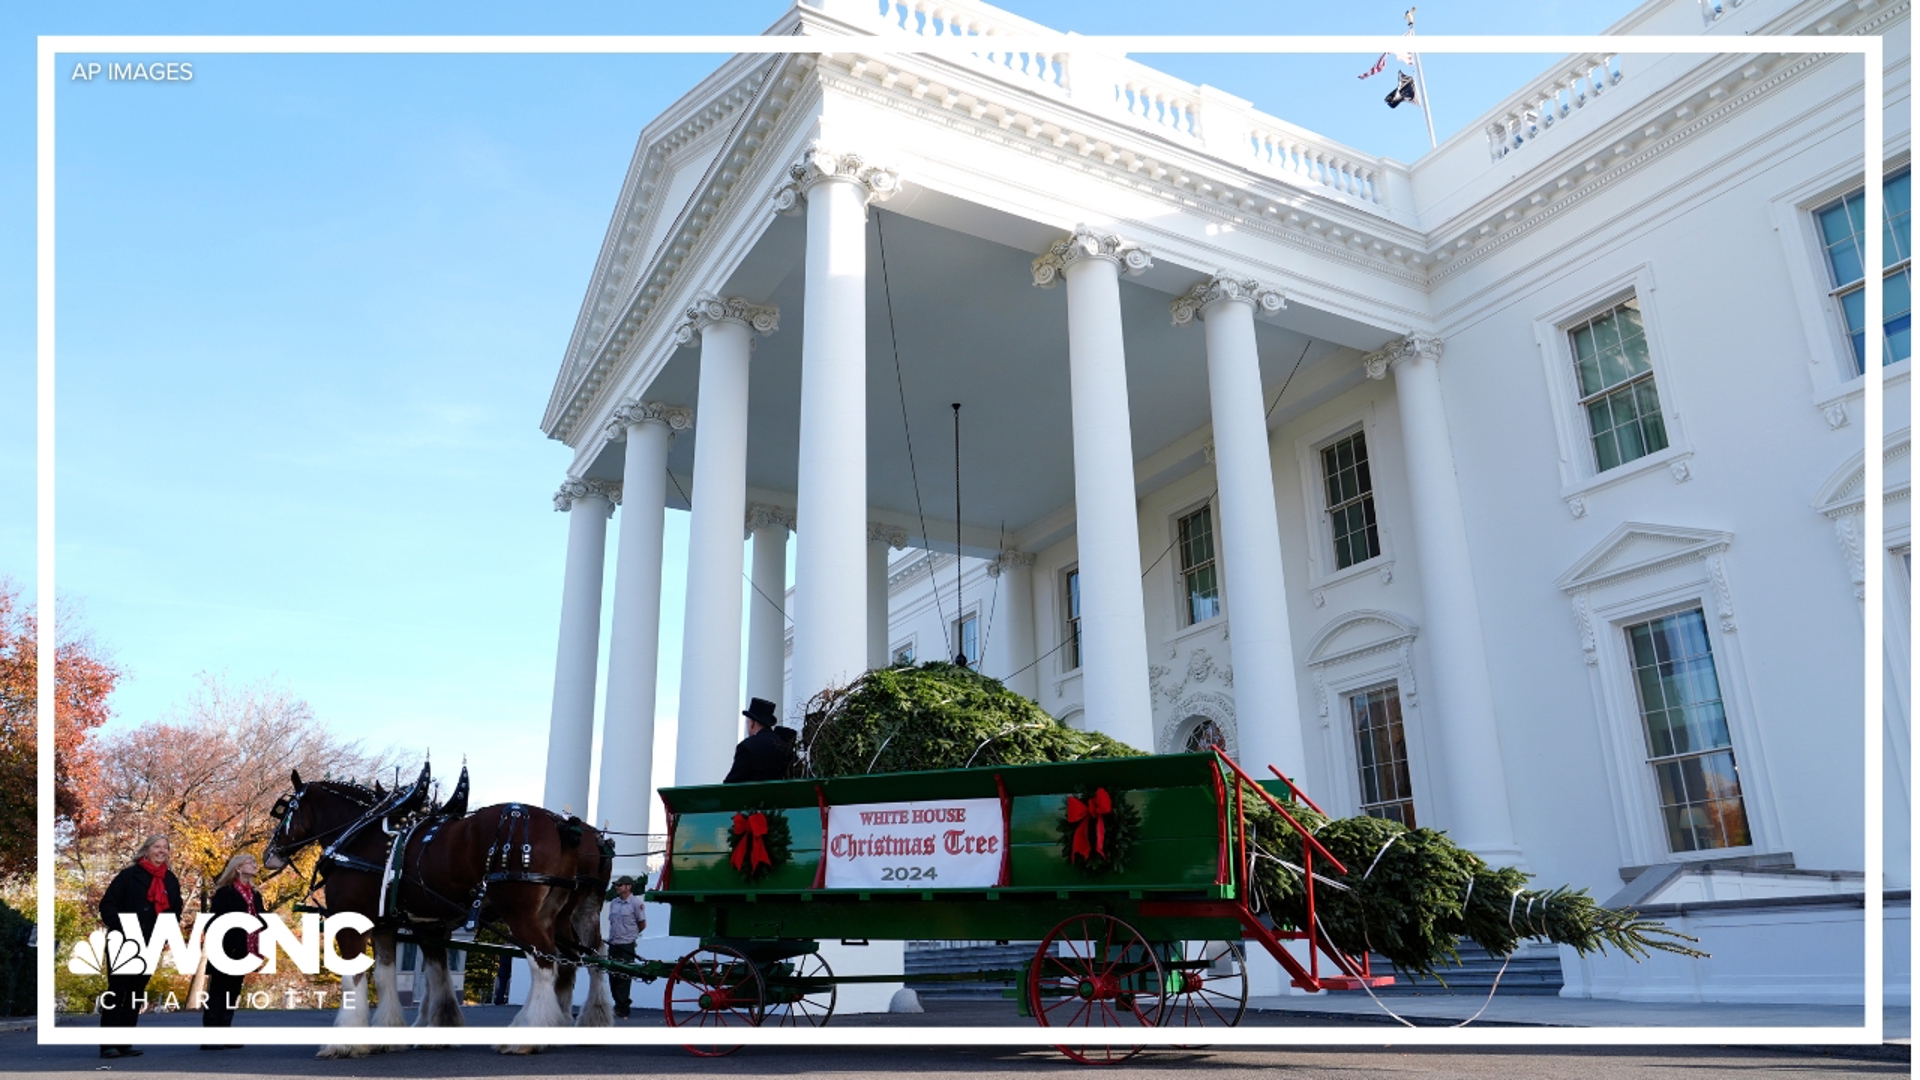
760,711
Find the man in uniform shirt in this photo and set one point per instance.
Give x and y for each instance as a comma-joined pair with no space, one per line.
626,918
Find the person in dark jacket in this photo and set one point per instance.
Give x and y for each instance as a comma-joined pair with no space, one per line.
146,890
233,891
767,751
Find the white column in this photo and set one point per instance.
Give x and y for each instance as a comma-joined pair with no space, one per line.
1010,632
710,644
881,541
1113,630
830,559
588,504
1457,689
767,627
1266,692
625,800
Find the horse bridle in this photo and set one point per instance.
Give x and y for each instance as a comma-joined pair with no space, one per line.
283,811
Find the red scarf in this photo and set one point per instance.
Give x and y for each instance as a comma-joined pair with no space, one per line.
246,894
157,887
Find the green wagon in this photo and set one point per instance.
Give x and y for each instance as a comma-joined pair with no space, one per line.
1130,873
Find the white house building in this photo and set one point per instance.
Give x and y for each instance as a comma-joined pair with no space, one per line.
1516,492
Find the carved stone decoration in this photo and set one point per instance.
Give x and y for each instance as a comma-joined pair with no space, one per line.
893,537
1717,566
1009,557
1220,288
1577,506
1201,666
1319,598
1584,620
571,489
1226,674
1190,713
1408,349
1159,687
709,309
1837,415
1847,527
768,516
1386,575
1681,472
677,418
820,164
1084,243
1409,690
1320,695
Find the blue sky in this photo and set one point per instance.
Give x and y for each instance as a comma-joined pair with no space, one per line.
310,310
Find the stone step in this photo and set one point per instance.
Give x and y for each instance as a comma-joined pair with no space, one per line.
1532,971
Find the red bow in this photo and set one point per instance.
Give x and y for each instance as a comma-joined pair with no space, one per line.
752,830
1094,812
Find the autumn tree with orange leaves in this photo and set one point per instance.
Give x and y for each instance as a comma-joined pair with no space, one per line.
83,678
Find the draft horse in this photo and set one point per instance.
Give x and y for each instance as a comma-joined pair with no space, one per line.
400,861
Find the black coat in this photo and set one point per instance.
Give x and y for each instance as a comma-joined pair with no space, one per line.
228,899
127,894
766,755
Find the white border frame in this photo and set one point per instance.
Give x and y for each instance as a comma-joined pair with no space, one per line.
1871,50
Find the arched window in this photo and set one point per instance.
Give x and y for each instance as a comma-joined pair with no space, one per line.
1204,733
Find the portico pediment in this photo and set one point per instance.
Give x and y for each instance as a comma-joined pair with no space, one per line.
1637,548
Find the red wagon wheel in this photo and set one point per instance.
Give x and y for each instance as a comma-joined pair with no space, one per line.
1095,971
801,992
1206,984
714,987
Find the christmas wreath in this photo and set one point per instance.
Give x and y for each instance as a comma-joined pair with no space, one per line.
1098,829
761,841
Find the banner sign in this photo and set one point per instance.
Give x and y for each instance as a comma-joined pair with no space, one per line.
938,844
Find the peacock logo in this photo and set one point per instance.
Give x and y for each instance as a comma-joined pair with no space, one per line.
107,952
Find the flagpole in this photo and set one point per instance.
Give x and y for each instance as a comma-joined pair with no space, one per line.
1420,76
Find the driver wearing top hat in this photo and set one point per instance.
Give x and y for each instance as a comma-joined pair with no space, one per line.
767,751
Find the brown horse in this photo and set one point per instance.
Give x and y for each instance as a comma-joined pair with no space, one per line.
541,875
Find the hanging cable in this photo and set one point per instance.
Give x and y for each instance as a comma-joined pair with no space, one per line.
762,593
900,382
959,566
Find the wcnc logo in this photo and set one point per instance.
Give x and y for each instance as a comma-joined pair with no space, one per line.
127,951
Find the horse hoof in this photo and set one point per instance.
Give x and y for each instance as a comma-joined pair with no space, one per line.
515,1049
331,1053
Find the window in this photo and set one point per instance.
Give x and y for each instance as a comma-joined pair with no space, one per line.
1205,735
1197,576
966,637
1616,386
1356,537
1380,749
1073,620
903,654
1688,744
1842,225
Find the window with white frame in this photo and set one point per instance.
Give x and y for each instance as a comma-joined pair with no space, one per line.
1614,372
1349,492
1203,736
1689,746
966,637
903,654
1842,227
1199,579
1380,751
1072,608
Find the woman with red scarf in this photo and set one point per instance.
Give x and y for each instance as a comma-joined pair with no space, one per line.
145,890
233,891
